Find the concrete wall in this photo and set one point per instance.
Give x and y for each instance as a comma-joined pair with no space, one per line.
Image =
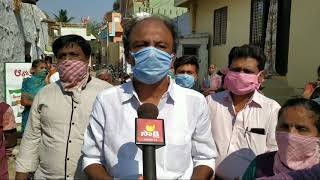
304,56
183,24
238,26
15,30
113,54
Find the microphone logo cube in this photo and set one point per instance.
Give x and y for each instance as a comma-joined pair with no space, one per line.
150,132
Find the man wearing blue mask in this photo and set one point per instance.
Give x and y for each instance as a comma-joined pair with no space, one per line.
186,71
109,149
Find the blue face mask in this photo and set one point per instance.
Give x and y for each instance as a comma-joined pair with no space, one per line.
151,65
185,80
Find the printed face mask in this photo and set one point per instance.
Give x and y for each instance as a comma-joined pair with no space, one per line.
73,73
241,83
295,152
41,74
151,65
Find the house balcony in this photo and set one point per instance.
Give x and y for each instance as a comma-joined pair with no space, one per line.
182,3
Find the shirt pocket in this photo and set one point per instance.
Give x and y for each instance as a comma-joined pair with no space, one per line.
178,153
257,142
178,158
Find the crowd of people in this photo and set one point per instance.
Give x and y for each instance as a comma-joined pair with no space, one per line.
77,126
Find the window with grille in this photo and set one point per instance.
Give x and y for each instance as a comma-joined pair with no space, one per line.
191,50
259,15
220,26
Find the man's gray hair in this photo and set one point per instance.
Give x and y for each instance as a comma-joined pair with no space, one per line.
103,71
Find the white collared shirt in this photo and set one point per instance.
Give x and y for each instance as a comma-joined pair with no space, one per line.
110,137
236,146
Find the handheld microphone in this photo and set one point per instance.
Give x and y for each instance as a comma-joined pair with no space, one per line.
149,134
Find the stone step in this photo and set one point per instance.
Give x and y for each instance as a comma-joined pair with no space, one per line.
277,88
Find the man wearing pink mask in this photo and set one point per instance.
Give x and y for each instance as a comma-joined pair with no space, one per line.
51,144
243,120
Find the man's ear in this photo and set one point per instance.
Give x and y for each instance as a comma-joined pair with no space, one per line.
172,62
174,57
261,77
196,78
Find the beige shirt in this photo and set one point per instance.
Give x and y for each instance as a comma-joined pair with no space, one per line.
237,146
51,144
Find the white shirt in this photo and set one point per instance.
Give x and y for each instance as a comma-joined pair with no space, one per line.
54,77
236,146
110,137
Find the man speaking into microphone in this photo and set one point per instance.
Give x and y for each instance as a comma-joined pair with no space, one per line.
109,149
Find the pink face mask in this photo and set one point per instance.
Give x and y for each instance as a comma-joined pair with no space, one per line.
241,83
73,73
295,152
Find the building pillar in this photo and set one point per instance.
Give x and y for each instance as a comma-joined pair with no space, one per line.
193,6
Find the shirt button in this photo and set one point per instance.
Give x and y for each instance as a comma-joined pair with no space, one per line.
68,176
72,123
69,141
68,159
74,107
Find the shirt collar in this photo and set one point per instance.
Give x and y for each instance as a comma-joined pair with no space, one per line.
256,98
128,91
59,82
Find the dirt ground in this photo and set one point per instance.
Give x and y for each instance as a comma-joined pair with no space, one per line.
11,162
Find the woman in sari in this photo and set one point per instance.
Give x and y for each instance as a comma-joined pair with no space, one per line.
298,138
30,87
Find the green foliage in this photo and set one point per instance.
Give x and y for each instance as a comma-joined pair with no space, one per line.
94,27
62,16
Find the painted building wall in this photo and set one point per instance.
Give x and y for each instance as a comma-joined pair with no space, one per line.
304,56
81,31
303,43
238,26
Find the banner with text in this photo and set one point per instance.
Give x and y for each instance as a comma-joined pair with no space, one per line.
14,75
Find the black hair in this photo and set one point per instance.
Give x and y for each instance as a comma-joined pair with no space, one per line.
37,62
48,59
309,105
129,25
231,54
248,51
65,41
186,59
315,93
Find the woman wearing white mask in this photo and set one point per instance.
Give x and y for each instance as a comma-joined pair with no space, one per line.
297,135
